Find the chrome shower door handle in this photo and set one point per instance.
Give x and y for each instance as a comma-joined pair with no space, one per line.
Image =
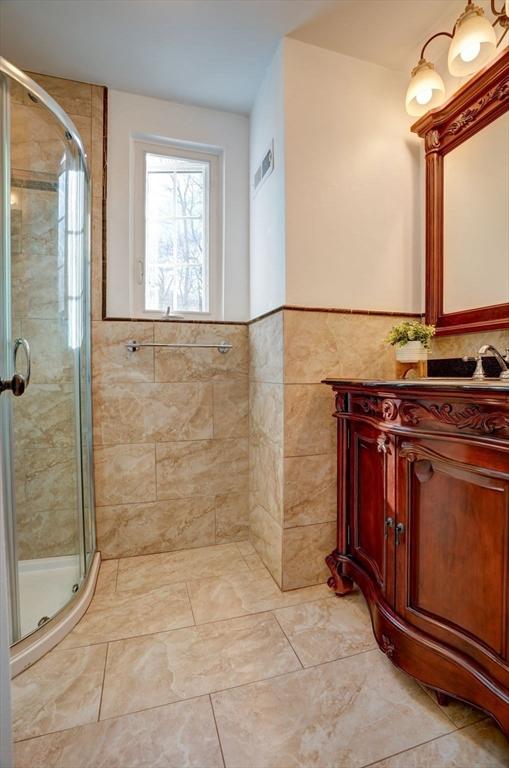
18,383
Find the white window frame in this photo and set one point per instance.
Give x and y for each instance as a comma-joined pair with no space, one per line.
212,225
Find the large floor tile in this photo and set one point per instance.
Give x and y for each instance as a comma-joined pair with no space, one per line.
124,614
158,669
460,713
328,629
107,577
479,746
181,735
346,713
203,563
60,691
237,594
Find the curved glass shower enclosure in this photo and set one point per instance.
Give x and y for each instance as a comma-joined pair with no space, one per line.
45,400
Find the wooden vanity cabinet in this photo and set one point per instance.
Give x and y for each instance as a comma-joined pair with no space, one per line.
423,530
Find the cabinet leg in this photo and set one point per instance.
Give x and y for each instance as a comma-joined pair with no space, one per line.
443,699
341,585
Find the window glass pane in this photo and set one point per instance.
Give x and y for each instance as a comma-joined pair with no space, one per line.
176,227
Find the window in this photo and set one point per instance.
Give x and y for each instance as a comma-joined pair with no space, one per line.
177,263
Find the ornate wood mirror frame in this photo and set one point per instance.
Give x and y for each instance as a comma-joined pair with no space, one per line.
483,99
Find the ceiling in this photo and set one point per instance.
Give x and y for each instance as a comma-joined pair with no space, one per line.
207,52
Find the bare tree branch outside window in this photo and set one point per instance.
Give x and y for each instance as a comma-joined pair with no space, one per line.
176,231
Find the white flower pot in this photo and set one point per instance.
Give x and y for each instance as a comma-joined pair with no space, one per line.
412,352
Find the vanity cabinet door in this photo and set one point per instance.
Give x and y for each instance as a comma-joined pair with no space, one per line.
451,543
371,510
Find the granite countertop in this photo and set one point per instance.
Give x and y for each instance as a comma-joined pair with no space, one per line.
450,384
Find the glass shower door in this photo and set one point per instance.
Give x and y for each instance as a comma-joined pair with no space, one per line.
44,290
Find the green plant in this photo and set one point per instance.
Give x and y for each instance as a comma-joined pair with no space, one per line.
407,331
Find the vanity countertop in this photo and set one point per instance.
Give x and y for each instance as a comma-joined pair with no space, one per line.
436,382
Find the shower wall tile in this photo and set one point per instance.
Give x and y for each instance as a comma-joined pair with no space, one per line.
232,517
33,538
309,489
124,474
73,96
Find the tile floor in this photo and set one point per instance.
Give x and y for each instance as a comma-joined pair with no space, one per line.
196,659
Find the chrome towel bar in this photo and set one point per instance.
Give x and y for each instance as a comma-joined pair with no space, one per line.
133,345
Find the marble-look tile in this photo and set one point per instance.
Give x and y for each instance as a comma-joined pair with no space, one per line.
242,593
267,537
328,629
50,532
124,474
199,467
97,262
309,426
52,359
310,489
266,354
321,344
201,364
35,280
479,746
231,408
46,417
266,476
84,128
468,343
112,362
346,713
246,548
61,690
158,526
123,614
46,479
97,141
170,567
106,582
304,552
146,413
460,713
35,145
266,412
165,737
232,517
150,671
74,97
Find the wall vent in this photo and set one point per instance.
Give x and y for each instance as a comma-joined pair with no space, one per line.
265,168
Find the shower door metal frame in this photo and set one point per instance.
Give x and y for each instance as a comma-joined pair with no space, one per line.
10,72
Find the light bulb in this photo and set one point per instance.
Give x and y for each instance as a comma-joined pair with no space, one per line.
424,96
470,50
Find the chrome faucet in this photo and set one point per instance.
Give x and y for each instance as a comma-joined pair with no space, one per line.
502,361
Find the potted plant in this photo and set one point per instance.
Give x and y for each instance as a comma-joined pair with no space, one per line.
412,340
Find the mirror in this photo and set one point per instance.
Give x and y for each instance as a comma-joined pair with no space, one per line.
476,220
466,143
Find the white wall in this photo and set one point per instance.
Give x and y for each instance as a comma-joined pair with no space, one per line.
353,184
131,116
267,262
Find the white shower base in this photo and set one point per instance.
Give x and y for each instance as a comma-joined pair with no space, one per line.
45,586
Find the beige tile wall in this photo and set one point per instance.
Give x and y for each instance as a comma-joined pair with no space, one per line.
170,437
469,343
293,520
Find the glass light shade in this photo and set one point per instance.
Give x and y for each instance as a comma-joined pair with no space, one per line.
473,44
426,89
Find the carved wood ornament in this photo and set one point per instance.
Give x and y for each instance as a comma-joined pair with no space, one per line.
479,102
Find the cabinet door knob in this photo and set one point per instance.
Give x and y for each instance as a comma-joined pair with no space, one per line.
400,529
389,522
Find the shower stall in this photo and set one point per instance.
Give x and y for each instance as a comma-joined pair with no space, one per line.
45,387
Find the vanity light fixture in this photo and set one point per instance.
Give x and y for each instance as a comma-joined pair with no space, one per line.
473,42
